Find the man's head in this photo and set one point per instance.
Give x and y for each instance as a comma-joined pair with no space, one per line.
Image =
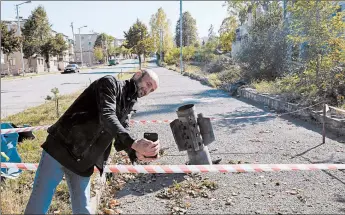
147,81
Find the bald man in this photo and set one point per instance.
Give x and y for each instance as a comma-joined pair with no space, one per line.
81,139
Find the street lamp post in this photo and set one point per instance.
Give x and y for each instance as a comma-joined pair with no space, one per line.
81,50
19,33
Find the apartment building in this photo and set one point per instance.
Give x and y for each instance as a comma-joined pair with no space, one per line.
12,64
86,42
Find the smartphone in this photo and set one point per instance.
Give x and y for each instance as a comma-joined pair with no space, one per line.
153,137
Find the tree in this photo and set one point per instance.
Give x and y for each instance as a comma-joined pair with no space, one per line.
36,33
263,54
189,30
211,33
227,33
318,27
98,52
61,44
137,39
101,40
159,22
55,46
241,9
9,41
48,49
106,42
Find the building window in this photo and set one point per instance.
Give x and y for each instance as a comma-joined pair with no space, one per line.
12,62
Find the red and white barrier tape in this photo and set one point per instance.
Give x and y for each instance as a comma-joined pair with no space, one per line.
198,168
132,122
25,129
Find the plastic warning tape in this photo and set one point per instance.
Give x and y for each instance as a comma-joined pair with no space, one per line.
25,129
167,169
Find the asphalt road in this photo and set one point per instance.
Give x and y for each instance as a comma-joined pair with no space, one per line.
19,94
261,140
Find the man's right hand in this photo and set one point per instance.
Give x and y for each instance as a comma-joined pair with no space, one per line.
146,147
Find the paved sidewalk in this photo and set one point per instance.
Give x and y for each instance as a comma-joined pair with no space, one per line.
261,140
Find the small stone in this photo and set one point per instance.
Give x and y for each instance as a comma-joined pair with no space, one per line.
292,192
56,212
261,176
228,202
234,194
176,208
213,199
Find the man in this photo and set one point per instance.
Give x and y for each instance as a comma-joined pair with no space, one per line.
82,137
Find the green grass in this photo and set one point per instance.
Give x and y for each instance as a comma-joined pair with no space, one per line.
16,193
214,80
269,87
342,106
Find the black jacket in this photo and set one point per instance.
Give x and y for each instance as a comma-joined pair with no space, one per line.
82,137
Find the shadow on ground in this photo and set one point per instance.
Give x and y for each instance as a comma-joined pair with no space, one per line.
99,73
340,199
161,109
308,124
148,184
235,124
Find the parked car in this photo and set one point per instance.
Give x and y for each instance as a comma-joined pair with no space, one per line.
71,68
114,62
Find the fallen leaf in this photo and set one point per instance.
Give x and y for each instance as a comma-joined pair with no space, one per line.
113,203
109,211
118,211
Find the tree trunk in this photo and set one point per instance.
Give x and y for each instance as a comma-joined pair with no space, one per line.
139,57
48,64
8,64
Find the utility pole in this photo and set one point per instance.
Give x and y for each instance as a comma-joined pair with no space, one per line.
73,41
90,53
81,50
181,62
19,33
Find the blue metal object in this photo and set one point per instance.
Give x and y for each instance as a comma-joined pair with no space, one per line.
9,152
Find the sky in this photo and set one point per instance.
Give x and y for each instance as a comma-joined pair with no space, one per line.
115,17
